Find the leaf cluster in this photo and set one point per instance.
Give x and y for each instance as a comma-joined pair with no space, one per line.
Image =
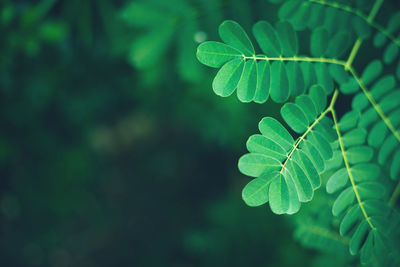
357,157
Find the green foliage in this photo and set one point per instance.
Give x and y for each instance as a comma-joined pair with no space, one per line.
278,162
357,158
280,79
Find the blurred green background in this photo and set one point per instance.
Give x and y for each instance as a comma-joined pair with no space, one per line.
114,151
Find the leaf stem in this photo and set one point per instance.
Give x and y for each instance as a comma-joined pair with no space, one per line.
360,14
374,10
301,138
377,5
346,162
353,53
296,58
378,109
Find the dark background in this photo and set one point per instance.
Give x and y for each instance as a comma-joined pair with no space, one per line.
114,151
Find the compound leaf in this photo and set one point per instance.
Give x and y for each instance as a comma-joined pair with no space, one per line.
233,34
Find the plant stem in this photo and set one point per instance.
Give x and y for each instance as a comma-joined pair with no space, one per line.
301,138
378,109
296,58
360,14
374,10
353,53
357,44
346,162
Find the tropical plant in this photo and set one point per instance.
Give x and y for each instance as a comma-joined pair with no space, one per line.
308,64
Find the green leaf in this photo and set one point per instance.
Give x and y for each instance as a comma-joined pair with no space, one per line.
339,73
308,168
316,16
255,193
389,145
368,117
227,78
288,38
376,207
359,154
379,39
394,22
307,106
233,34
325,128
294,117
314,155
263,81
354,137
337,181
361,27
367,250
390,101
318,96
279,195
295,77
365,172
320,142
377,134
338,45
343,201
248,82
330,21
289,9
394,117
309,76
335,162
358,237
255,164
272,129
360,102
267,39
349,87
215,54
294,203
262,145
299,20
371,190
350,219
279,82
371,72
323,77
349,120
319,42
303,186
382,86
390,54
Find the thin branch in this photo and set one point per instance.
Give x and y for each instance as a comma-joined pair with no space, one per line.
357,44
362,15
346,162
341,6
296,58
378,109
301,138
353,53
